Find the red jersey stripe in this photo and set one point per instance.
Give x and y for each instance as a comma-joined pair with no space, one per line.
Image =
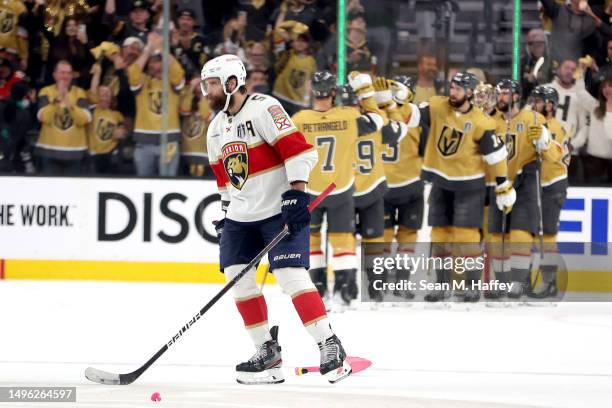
291,145
220,174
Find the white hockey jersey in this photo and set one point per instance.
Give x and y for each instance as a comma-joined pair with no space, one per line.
255,155
571,112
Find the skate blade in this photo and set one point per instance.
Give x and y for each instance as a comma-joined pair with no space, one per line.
339,373
269,376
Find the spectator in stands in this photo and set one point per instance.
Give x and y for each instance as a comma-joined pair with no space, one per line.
8,76
64,115
536,49
107,127
595,73
571,114
188,46
426,85
233,38
358,55
381,16
257,82
14,38
137,26
572,24
16,124
145,77
197,115
258,15
294,68
598,163
70,45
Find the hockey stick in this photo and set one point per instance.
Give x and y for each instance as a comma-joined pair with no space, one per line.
311,207
539,202
104,377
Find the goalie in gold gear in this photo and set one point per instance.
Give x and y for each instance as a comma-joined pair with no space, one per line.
554,188
334,132
460,144
404,202
525,135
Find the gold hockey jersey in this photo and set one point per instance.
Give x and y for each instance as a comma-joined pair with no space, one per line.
402,162
193,136
293,79
13,33
369,168
556,171
100,131
521,152
63,132
456,145
148,93
334,134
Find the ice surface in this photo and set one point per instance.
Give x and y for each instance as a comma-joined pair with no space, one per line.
51,331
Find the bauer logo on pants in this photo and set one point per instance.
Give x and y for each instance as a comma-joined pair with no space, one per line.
236,163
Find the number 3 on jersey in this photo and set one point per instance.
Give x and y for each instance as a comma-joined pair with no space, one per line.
328,143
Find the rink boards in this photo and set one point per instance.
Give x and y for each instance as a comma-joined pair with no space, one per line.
161,230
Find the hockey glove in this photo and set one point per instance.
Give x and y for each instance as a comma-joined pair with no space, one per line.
401,93
505,196
393,132
539,137
219,224
361,84
294,207
383,95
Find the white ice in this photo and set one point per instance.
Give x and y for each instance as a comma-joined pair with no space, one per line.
482,357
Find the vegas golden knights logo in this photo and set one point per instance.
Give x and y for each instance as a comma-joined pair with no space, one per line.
193,127
297,78
511,145
155,102
63,120
104,129
449,141
236,163
6,21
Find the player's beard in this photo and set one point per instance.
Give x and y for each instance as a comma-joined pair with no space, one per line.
503,107
457,103
217,103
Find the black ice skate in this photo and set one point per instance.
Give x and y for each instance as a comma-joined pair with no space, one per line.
546,290
333,360
471,295
265,365
437,295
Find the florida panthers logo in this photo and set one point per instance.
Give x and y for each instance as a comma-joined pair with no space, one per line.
104,129
236,163
62,119
6,22
155,102
449,141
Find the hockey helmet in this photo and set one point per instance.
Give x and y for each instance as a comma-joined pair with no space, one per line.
224,67
511,84
466,80
347,95
406,80
323,84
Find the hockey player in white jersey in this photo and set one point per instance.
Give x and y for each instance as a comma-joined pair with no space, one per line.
262,164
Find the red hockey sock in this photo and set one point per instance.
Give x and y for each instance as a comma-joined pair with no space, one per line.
311,309
254,312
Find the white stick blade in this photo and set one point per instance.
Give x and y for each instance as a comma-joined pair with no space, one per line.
101,377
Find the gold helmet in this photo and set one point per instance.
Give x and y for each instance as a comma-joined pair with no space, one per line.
484,97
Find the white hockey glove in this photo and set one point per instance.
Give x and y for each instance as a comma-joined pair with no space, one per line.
361,84
505,196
